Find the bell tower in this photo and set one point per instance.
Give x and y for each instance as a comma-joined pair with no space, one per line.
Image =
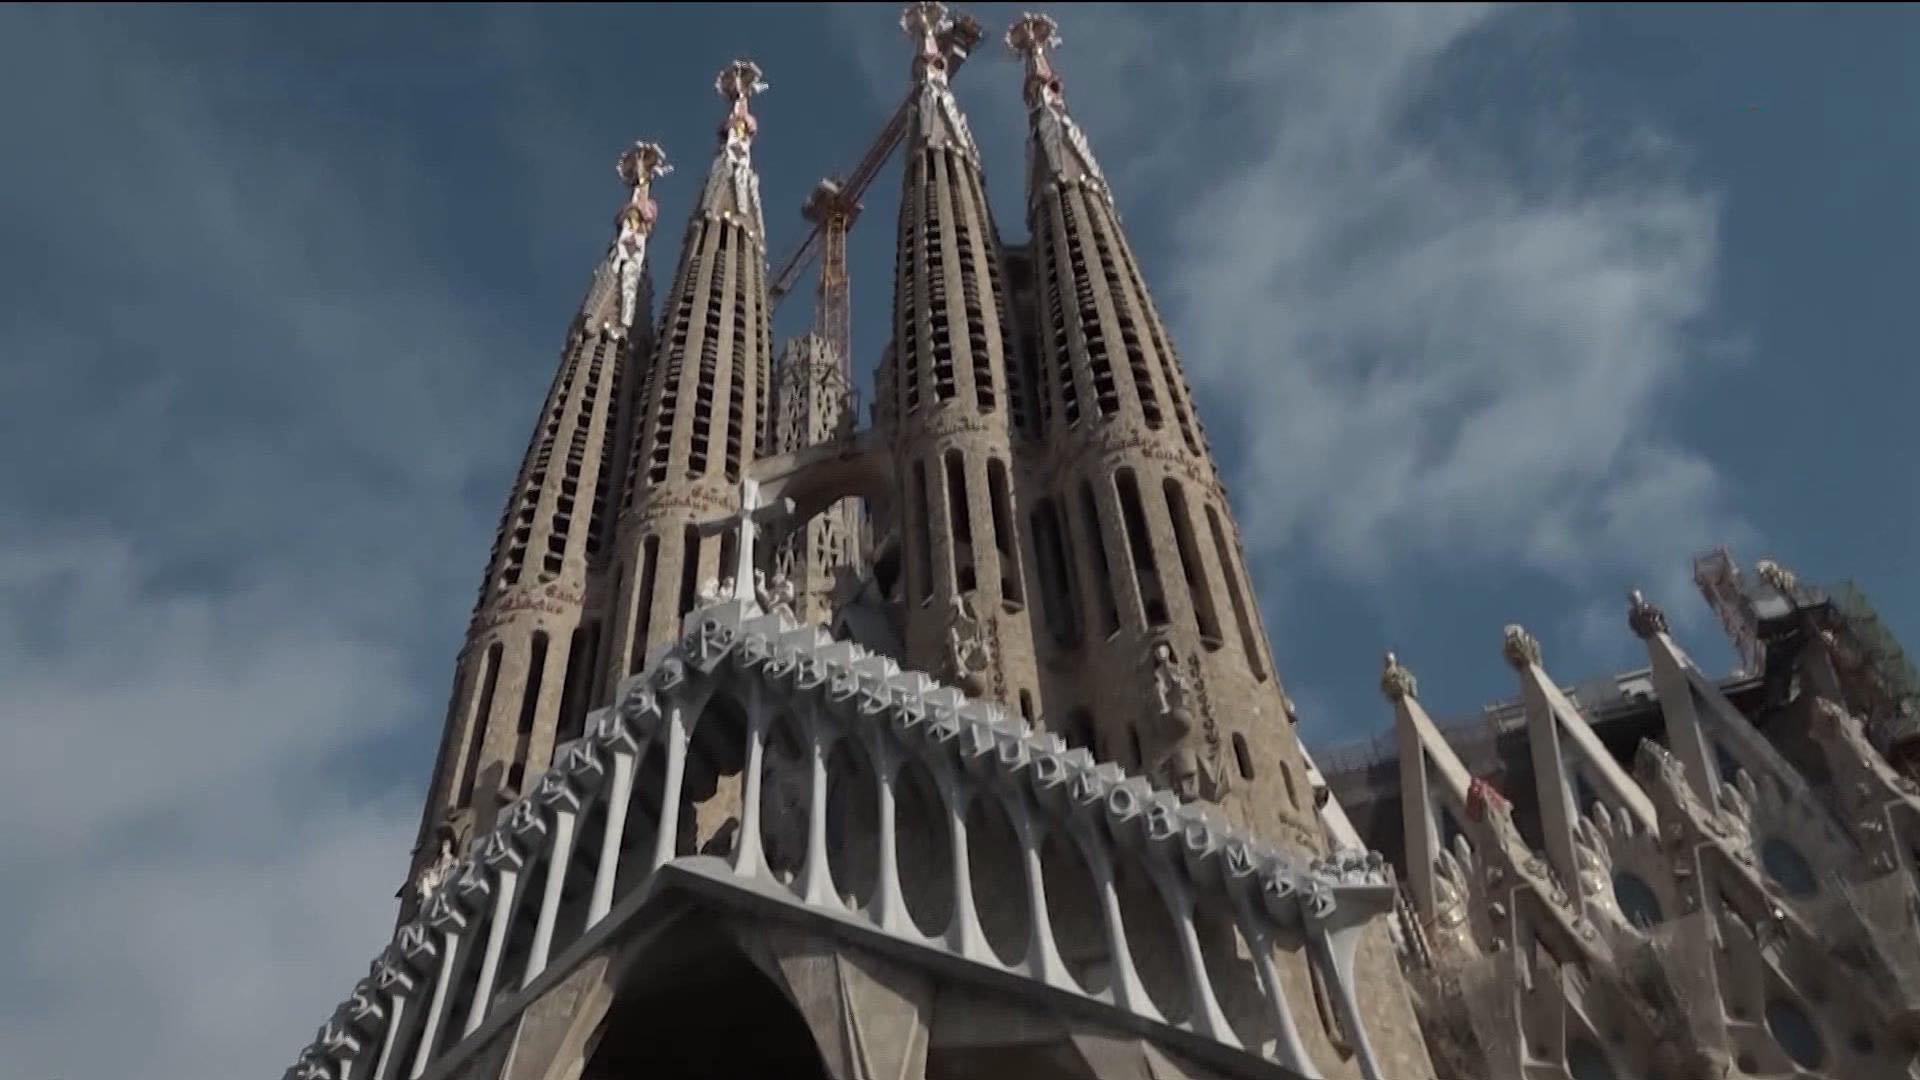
701,415
1144,590
966,592
524,674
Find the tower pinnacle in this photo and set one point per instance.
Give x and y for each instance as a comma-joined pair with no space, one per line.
941,123
733,189
1030,36
1058,151
637,166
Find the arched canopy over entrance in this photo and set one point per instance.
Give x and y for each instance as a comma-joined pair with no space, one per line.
693,1005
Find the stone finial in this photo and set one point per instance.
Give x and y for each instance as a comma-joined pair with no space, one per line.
639,164
1030,38
1397,682
1781,579
739,82
923,21
1643,617
1521,648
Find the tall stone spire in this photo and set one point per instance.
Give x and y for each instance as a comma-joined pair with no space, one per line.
701,415
966,589
524,674
1146,593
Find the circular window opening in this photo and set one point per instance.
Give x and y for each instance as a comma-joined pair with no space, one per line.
1793,1029
1637,900
1788,868
1586,1061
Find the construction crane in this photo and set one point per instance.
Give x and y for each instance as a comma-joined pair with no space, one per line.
834,204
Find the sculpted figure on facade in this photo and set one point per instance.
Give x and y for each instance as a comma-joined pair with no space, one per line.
969,653
434,874
775,594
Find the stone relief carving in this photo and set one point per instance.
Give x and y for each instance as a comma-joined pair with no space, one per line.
434,874
969,652
1164,736
775,594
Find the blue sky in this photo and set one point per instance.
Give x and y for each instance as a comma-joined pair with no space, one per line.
1492,313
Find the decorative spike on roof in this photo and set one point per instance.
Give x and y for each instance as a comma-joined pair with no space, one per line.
1644,618
1063,154
936,119
733,188
638,166
1396,681
1522,649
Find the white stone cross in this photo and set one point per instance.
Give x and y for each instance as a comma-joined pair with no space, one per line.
748,519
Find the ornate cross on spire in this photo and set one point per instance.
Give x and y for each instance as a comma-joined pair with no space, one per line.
923,21
738,82
1030,37
637,166
751,516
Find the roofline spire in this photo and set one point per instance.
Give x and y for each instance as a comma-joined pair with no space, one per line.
638,166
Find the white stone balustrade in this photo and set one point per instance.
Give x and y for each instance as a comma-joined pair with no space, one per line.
474,954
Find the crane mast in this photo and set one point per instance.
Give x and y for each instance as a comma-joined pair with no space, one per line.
833,205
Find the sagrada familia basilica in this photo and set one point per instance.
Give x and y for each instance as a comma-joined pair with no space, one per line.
951,746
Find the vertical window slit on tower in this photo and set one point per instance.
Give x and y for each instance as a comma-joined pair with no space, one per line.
1102,573
1058,595
737,395
667,377
972,247
937,312
618,608
1178,395
477,724
907,293
536,668
1056,315
705,386
729,551
643,603
689,568
1205,615
960,520
1123,310
1146,574
1099,364
1242,757
763,359
1000,496
581,648
1229,570
920,531
609,408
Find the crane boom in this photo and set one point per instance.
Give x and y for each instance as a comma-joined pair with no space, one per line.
957,42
